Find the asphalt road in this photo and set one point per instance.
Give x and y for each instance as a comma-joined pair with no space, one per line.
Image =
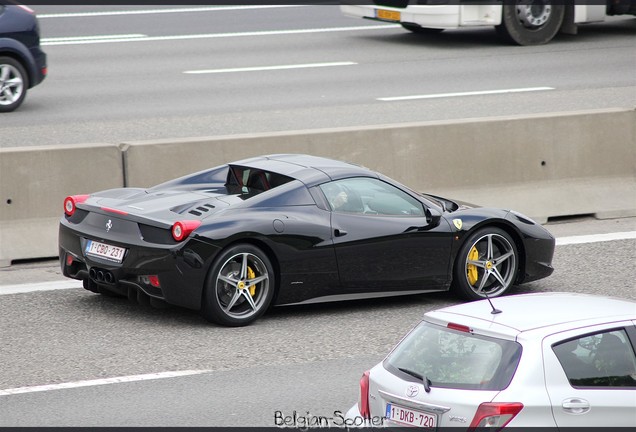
122,77
307,359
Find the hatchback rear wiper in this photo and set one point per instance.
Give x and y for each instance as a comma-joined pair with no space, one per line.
425,380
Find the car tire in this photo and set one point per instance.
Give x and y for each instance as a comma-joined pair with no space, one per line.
486,265
239,287
414,28
14,83
524,23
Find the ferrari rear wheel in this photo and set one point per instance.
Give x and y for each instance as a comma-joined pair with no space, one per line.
486,265
240,286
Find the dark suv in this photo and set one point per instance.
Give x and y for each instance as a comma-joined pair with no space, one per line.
22,62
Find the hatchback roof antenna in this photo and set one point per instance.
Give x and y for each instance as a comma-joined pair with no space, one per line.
494,310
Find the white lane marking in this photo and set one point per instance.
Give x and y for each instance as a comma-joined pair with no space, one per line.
103,381
73,39
269,68
473,93
594,238
40,286
124,38
70,283
161,11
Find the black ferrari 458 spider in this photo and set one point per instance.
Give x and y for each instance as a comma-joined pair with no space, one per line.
234,240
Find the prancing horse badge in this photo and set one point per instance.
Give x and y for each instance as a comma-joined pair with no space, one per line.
457,223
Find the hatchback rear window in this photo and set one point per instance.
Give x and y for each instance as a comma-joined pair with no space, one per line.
455,359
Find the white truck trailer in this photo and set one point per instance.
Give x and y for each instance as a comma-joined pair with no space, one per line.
524,22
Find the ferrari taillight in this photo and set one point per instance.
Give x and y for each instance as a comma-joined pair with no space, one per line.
363,403
182,229
495,414
70,203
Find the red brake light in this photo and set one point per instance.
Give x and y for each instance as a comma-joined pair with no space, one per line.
112,210
182,229
70,203
459,327
363,403
495,415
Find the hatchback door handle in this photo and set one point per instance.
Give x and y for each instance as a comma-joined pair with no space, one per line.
575,406
339,233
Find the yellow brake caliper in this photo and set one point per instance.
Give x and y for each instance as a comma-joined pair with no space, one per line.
471,270
251,275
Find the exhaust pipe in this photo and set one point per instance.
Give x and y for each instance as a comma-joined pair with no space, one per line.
101,275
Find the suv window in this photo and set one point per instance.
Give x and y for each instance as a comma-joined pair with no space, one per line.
455,359
598,360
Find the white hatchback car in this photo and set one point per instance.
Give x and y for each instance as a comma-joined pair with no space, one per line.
545,359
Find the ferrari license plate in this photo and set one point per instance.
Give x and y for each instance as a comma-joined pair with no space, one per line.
410,417
106,251
387,15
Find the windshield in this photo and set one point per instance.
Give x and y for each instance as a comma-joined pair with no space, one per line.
455,359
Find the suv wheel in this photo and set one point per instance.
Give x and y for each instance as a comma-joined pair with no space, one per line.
14,83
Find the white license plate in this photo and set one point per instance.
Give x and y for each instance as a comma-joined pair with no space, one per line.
410,417
106,251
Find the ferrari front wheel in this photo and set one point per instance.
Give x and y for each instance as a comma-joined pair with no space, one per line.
486,265
240,286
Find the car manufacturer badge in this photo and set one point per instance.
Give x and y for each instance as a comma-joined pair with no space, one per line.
412,390
458,223
109,225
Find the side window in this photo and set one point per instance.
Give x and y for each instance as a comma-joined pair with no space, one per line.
598,360
364,195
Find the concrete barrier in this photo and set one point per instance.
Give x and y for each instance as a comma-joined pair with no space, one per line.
33,184
547,165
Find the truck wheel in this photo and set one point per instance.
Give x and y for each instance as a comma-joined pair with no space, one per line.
420,30
14,83
531,22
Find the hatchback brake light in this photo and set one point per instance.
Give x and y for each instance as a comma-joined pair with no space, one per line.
182,229
363,403
495,414
70,203
459,327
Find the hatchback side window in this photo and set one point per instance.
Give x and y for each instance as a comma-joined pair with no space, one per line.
598,360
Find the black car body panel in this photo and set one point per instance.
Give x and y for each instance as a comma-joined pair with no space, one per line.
317,253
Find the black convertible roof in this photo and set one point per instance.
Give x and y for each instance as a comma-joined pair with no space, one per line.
306,168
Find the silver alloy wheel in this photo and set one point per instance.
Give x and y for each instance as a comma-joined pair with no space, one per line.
242,285
11,84
490,265
534,15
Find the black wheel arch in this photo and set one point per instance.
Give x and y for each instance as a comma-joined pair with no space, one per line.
509,229
11,48
253,241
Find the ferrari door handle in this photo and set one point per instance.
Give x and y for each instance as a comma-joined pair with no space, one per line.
575,406
339,233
